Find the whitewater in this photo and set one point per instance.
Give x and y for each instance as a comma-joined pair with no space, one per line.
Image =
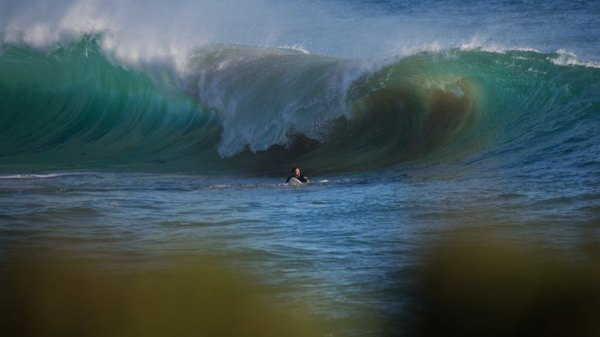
135,132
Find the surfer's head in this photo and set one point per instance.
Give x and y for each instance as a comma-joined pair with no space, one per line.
296,171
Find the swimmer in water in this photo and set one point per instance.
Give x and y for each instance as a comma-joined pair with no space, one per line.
297,173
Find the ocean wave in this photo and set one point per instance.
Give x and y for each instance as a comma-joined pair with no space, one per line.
265,109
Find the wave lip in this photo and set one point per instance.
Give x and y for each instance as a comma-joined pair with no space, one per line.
266,96
566,58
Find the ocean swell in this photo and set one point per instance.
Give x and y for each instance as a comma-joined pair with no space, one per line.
265,109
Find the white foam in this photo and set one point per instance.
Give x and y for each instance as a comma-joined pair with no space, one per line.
566,58
30,176
478,44
296,47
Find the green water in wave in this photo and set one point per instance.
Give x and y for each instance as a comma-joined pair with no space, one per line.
72,107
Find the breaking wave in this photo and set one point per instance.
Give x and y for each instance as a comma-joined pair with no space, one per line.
249,108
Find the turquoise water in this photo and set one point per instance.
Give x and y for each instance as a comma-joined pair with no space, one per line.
414,122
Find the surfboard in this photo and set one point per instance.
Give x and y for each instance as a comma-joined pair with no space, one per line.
295,182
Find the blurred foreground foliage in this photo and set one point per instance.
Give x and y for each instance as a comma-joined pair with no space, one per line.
464,286
480,286
74,298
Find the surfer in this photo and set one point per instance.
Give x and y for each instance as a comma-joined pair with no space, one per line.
297,174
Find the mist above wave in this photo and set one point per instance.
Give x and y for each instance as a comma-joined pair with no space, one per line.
139,32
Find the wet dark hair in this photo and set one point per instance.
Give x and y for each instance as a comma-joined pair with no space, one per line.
294,169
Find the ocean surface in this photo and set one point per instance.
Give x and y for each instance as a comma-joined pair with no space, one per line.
135,131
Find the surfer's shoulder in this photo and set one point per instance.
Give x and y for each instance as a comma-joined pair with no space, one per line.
293,181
